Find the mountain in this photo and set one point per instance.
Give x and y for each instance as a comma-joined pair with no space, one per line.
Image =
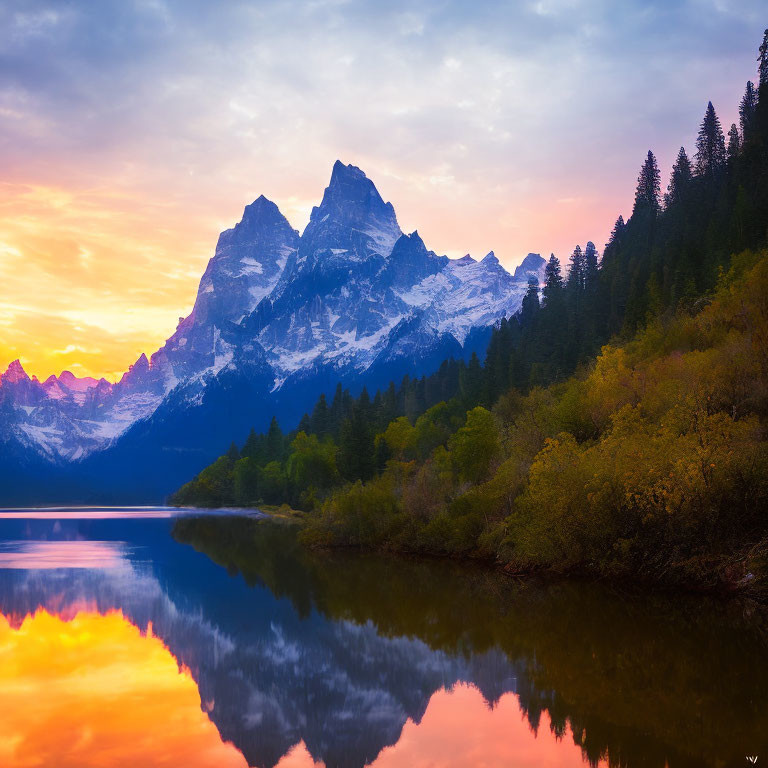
278,318
530,265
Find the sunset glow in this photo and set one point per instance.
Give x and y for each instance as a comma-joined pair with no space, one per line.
123,159
459,730
93,691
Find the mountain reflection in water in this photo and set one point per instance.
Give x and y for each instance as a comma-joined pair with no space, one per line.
219,641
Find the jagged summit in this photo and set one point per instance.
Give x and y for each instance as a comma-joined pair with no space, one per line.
353,215
261,212
278,318
532,264
14,372
349,186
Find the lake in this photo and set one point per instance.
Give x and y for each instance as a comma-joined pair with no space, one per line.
159,637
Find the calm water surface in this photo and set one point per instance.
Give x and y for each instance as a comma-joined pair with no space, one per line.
135,637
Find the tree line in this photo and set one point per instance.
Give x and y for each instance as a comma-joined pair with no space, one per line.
455,461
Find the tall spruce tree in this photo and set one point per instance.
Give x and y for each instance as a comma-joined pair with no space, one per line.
648,186
530,307
357,451
762,61
321,419
553,281
733,142
617,231
576,271
471,382
591,266
679,179
275,444
252,445
747,109
710,145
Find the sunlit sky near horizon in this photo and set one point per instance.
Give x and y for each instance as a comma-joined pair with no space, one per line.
133,132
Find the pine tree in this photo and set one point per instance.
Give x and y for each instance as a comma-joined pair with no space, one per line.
679,179
364,407
274,446
762,61
747,110
648,186
591,287
337,410
357,451
252,445
576,270
233,454
553,281
530,307
710,145
616,233
733,142
591,267
320,422
471,382
389,410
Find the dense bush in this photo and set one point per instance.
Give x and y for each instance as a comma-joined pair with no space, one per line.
654,462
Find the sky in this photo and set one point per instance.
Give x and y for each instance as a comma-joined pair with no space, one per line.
133,131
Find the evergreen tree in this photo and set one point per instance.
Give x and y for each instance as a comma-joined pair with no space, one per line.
364,406
617,231
733,142
679,179
471,382
252,445
389,409
553,281
591,267
648,186
576,270
357,451
747,110
233,454
530,306
762,61
590,309
337,410
320,422
710,145
305,424
275,442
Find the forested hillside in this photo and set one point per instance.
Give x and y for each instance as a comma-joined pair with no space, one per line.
617,424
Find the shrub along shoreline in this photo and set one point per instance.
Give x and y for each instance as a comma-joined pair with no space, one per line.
649,465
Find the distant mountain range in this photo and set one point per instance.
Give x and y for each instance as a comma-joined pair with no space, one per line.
279,318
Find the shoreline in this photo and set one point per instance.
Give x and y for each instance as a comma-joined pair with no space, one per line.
743,590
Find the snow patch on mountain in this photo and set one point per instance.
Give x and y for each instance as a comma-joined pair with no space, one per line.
351,292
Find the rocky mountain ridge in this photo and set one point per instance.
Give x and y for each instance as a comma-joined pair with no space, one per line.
278,317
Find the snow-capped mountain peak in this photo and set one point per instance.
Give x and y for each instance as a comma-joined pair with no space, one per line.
351,221
278,318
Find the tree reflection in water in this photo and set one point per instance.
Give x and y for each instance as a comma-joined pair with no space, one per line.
351,658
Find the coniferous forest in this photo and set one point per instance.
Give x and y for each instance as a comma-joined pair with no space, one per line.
616,426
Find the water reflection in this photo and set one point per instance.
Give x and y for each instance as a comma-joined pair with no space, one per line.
349,660
62,554
94,691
